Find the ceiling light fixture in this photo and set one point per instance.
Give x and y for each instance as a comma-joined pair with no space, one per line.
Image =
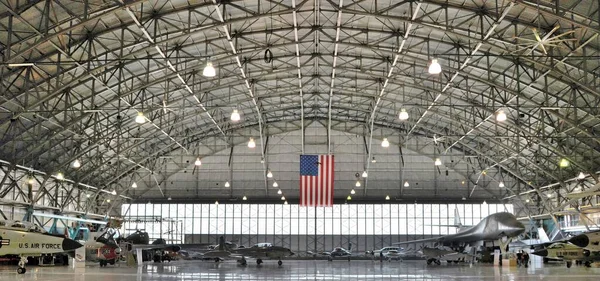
279,191
285,202
244,198
269,174
251,143
140,119
349,198
235,116
526,200
20,64
438,162
387,197
501,184
30,180
435,67
364,174
198,162
549,195
227,184
484,203
76,164
563,163
357,184
352,191
283,198
373,160
406,184
403,114
114,192
134,185
169,199
385,143
463,198
275,184
107,200
581,176
87,195
501,116
209,70
60,176
217,202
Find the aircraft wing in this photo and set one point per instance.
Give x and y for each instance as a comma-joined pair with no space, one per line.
435,239
172,248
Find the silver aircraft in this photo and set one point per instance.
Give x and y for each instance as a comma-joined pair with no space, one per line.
498,227
26,239
258,251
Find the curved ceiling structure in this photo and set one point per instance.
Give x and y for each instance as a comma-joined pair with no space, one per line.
311,76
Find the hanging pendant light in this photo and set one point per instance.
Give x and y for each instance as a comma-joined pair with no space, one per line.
385,143
438,162
60,176
227,184
217,202
134,185
435,67
269,174
279,191
76,164
235,116
349,198
581,176
357,184
275,184
251,143
501,184
364,174
209,70
352,191
282,198
406,184
501,116
140,119
403,114
387,197
198,162
244,198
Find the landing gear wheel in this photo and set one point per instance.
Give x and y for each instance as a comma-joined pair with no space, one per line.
588,264
449,262
329,258
112,262
456,261
259,261
569,264
217,259
243,262
279,262
438,262
429,261
21,270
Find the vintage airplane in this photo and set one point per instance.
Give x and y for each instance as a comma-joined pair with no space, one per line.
258,251
26,239
498,227
335,253
564,251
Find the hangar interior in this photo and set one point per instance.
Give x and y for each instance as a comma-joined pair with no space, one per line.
192,115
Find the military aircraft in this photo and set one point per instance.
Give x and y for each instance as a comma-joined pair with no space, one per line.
27,239
498,227
589,240
564,251
107,249
336,252
258,251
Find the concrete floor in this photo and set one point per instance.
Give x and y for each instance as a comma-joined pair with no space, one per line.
301,270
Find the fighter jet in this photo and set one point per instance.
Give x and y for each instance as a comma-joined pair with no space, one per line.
564,251
258,251
26,239
498,227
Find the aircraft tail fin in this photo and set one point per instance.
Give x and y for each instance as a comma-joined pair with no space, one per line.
457,221
543,235
221,243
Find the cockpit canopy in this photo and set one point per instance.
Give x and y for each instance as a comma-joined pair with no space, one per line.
23,226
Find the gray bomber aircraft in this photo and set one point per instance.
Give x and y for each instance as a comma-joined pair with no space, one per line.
500,227
26,239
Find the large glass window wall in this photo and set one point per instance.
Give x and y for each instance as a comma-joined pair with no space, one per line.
174,221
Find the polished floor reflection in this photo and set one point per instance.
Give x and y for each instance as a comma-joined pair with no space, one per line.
302,270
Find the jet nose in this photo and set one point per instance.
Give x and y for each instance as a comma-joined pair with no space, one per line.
541,253
580,240
70,245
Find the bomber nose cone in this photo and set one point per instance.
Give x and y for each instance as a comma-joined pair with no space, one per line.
70,244
580,240
541,253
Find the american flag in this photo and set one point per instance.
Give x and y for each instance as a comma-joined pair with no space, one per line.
316,180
